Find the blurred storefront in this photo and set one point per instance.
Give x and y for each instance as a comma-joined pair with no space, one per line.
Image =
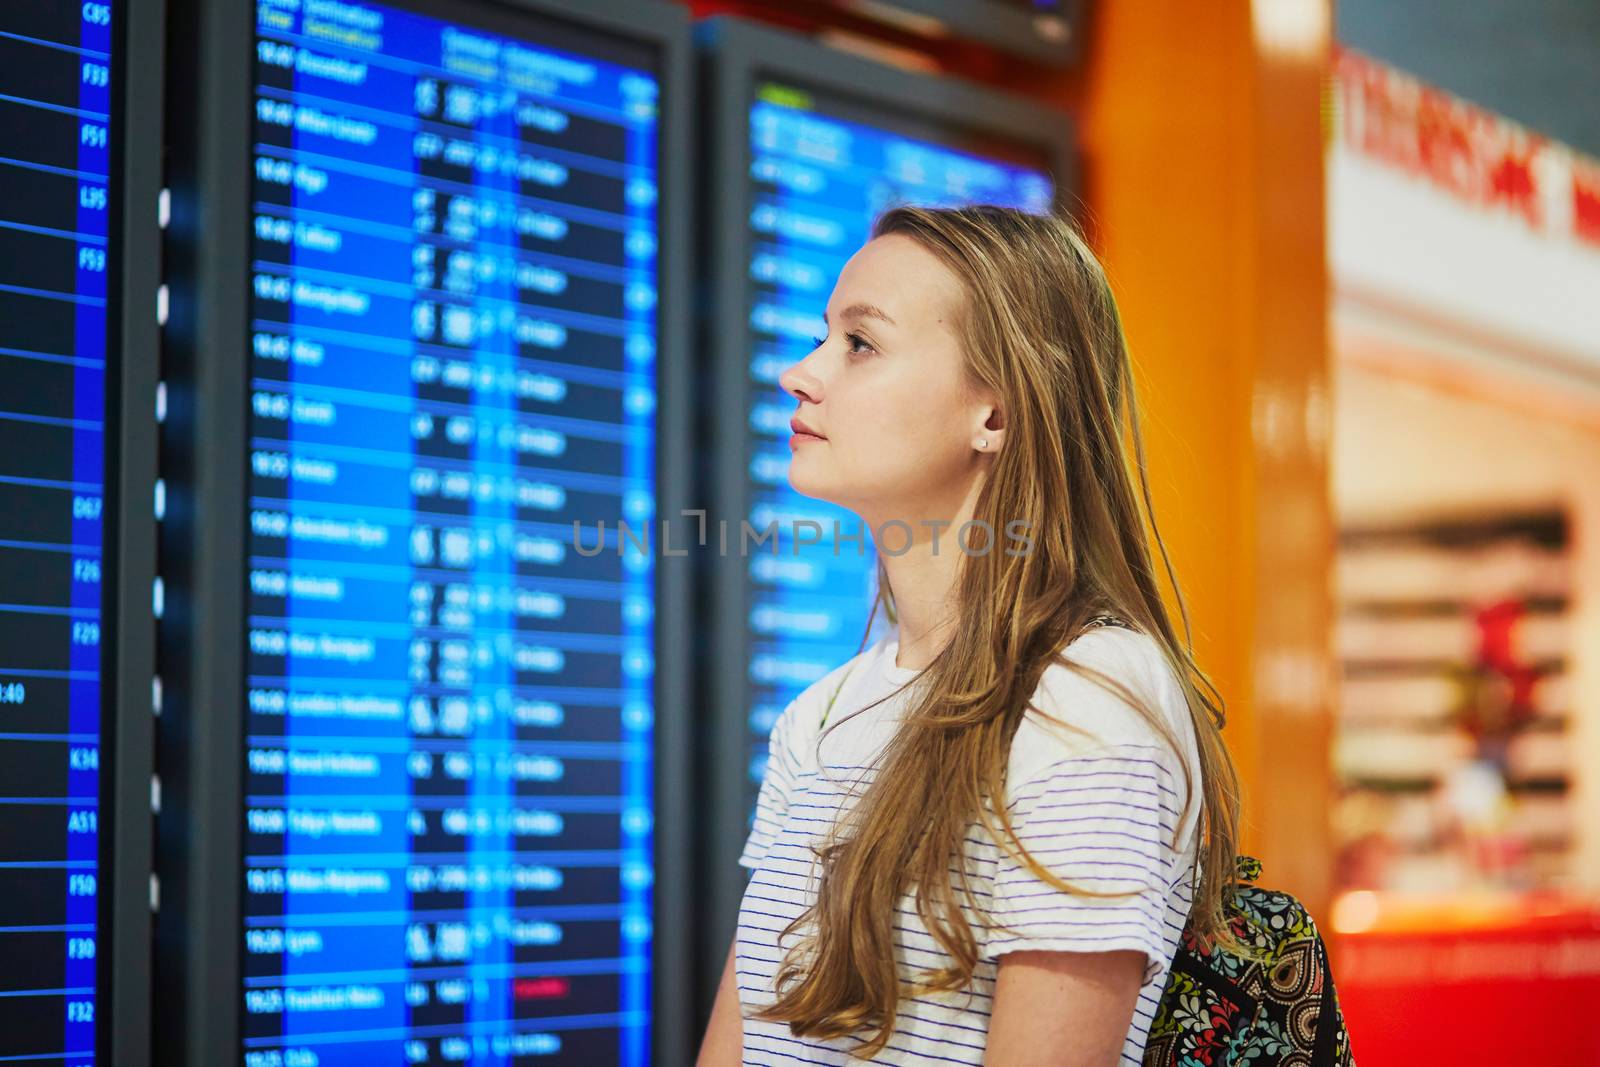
1464,266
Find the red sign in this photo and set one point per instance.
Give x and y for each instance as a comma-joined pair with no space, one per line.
1464,150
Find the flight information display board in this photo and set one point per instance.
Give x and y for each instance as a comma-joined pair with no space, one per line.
822,168
449,710
55,206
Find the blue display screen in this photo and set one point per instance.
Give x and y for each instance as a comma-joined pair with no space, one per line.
449,777
822,171
55,205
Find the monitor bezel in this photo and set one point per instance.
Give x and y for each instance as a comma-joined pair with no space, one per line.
205,453
1001,26
130,793
737,55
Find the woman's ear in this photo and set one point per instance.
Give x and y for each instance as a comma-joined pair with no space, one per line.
991,432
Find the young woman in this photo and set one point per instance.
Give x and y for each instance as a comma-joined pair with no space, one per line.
1020,795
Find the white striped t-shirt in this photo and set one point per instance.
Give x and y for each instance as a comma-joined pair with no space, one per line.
1098,809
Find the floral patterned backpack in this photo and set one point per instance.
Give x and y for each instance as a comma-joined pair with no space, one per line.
1225,1010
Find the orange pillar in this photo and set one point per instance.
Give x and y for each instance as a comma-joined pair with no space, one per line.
1203,148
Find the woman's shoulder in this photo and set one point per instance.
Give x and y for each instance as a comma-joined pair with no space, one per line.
1075,715
801,720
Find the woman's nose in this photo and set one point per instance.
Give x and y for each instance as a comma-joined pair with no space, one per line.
800,383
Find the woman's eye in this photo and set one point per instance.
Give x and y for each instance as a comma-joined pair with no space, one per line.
858,345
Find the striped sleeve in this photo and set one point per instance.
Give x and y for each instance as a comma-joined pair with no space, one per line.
777,786
1102,820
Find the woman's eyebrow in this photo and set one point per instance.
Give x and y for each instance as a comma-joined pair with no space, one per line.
862,311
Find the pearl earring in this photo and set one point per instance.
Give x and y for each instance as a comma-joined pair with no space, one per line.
983,442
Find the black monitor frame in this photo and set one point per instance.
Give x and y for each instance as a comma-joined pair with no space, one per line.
736,55
205,460
1055,40
128,725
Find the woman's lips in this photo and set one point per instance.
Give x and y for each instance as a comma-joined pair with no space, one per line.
802,433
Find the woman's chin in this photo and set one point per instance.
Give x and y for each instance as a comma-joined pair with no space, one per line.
804,488
806,483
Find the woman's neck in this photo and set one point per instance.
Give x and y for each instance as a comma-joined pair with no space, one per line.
923,577
924,587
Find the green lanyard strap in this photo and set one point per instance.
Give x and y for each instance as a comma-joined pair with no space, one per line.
836,692
1098,620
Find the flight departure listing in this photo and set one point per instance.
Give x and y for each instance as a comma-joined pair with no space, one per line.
448,820
55,201
821,171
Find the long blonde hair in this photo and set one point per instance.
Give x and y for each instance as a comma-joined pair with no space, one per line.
1040,331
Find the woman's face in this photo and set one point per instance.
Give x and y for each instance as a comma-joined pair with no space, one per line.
895,432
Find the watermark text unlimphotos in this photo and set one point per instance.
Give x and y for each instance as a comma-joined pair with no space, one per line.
893,537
